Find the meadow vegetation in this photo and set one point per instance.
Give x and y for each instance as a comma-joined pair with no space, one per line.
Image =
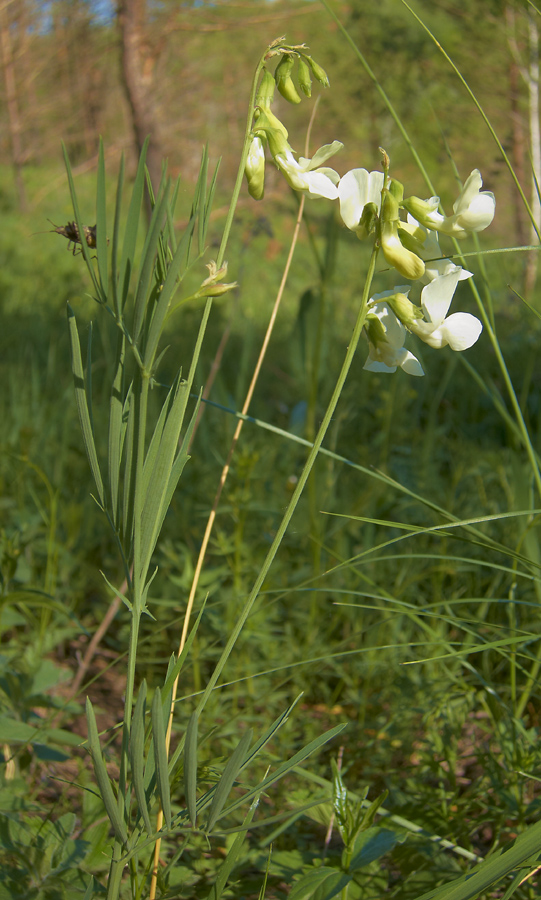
400,616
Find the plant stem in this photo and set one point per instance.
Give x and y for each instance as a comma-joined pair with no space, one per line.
350,353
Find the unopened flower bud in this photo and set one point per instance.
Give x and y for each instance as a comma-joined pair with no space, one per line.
284,82
255,168
396,189
404,261
404,309
421,209
213,286
305,80
318,72
265,93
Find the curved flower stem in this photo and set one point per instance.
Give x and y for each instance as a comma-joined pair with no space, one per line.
350,353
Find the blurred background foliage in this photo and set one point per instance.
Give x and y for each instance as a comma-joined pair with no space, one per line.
448,737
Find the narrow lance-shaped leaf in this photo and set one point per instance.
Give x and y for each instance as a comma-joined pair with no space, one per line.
137,755
80,226
104,783
115,242
286,767
232,855
82,405
126,268
227,780
116,410
160,757
101,223
148,260
178,264
190,768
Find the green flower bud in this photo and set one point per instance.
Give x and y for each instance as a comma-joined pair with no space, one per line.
375,331
284,82
396,189
255,168
265,93
212,286
305,81
404,261
318,72
404,309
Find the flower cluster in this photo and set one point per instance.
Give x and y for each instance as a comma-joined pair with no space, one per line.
370,205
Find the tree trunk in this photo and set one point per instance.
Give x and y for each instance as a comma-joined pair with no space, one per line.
12,106
137,80
535,146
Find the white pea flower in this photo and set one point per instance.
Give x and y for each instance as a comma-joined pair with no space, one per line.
428,248
308,175
459,330
357,188
386,336
473,210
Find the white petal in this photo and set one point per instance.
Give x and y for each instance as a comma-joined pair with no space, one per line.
479,213
411,364
320,185
395,331
357,188
461,330
472,186
322,155
437,296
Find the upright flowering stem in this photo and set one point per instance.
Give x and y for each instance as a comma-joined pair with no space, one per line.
350,353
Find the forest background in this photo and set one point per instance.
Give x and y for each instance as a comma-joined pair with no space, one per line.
433,734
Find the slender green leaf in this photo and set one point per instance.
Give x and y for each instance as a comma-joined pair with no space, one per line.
115,241
148,261
13,731
208,207
200,198
101,222
169,287
104,783
492,870
126,268
129,473
82,406
372,844
137,755
80,225
174,672
322,883
164,478
232,855
286,767
116,412
160,756
229,774
190,768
